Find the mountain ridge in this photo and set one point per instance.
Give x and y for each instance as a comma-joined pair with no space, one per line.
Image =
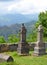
11,24
14,29
10,19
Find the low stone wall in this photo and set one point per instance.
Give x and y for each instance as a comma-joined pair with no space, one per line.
31,45
8,47
3,47
13,47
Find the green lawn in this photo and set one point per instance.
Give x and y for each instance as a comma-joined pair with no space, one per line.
26,60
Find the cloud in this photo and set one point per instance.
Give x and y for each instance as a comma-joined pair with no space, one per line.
6,0
24,6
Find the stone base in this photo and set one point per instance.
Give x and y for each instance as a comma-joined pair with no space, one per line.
23,49
35,54
20,54
38,51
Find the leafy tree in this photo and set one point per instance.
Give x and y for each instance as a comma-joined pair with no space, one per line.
42,19
12,38
2,40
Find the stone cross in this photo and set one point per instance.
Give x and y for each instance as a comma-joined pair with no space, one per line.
40,34
23,46
39,48
23,33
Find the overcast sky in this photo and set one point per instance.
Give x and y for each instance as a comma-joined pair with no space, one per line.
22,6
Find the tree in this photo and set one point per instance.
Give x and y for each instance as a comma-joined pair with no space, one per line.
2,40
42,19
12,38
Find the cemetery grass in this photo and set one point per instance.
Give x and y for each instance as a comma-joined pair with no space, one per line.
26,60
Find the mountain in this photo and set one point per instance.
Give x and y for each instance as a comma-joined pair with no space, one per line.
10,19
11,23
14,29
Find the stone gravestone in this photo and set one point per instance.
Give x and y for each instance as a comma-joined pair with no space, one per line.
6,58
39,48
23,46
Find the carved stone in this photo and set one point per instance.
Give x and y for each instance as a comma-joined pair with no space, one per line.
39,48
6,58
23,46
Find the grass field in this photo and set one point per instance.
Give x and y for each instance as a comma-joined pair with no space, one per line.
26,60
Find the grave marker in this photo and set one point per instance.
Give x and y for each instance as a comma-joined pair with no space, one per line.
23,46
39,48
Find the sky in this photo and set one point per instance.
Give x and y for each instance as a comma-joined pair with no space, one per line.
22,6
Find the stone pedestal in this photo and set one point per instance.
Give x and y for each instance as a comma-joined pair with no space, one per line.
23,46
39,48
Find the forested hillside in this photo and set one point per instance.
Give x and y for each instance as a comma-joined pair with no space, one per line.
14,29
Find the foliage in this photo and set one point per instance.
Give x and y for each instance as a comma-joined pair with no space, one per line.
42,19
32,37
2,40
12,38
